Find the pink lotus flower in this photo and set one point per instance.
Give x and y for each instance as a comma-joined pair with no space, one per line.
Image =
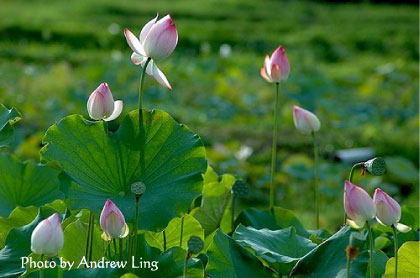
388,211
157,41
305,121
101,104
47,238
113,221
276,68
358,205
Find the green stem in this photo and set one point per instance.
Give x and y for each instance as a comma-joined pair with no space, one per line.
186,265
164,240
88,236
274,149
129,246
115,249
395,250
348,266
316,179
357,165
233,211
108,250
92,230
120,245
370,250
136,223
182,232
141,84
41,271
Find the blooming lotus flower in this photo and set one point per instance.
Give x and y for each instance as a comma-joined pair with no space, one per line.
276,68
113,221
157,41
47,238
358,205
101,104
305,121
388,211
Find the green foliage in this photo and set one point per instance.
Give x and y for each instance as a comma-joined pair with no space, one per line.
228,259
17,218
281,249
105,164
26,184
408,261
8,117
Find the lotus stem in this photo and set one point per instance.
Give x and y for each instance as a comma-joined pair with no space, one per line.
187,256
115,248
88,236
348,267
274,149
41,271
370,250
182,232
120,245
233,210
136,223
164,240
316,179
141,84
395,250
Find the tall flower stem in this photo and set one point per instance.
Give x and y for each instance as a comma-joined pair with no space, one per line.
92,230
41,271
316,179
395,250
182,231
348,267
115,248
136,223
88,239
120,245
274,149
143,73
186,265
370,250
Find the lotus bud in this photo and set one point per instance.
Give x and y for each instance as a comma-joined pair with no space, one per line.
388,211
376,166
240,188
276,68
112,221
305,121
47,238
358,205
101,104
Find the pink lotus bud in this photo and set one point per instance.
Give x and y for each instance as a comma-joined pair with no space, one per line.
276,68
47,238
388,211
101,104
305,121
112,220
358,205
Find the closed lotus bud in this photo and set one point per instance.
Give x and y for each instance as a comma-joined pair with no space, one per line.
195,245
276,68
358,205
305,121
101,104
47,238
112,221
388,211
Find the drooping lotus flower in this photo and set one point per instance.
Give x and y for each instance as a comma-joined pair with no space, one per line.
101,104
305,121
388,211
47,238
358,205
276,68
112,221
157,40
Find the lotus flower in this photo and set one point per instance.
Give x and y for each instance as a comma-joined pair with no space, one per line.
305,121
47,238
101,104
113,221
157,41
388,211
358,205
276,68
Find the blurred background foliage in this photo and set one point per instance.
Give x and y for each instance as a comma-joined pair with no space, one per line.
354,64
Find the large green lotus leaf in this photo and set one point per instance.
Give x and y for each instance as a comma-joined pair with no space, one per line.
215,201
170,263
229,259
279,218
408,261
281,249
75,235
105,165
26,184
18,244
18,217
8,117
190,228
